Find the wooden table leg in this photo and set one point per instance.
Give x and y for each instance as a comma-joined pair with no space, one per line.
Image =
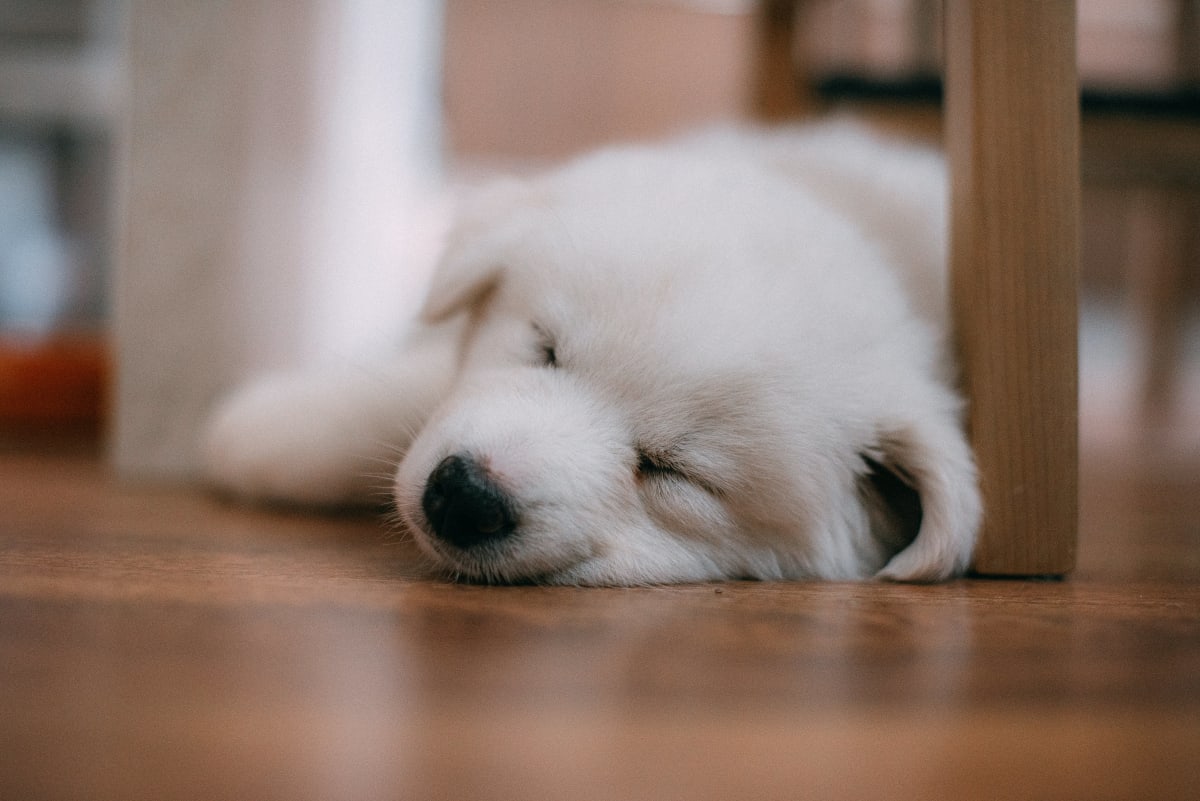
1012,134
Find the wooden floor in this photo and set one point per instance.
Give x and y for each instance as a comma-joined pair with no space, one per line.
156,644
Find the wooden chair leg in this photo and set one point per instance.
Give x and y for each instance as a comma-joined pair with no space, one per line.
779,95
1012,135
1163,245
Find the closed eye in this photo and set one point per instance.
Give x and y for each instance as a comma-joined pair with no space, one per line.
657,465
547,349
675,496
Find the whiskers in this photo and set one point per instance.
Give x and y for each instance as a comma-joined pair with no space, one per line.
381,491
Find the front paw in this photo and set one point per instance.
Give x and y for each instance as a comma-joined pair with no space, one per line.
294,440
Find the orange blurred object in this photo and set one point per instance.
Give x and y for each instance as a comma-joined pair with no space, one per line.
60,381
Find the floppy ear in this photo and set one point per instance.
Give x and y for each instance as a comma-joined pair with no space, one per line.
889,495
489,225
922,495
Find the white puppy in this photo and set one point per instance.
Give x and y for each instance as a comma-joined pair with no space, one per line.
723,358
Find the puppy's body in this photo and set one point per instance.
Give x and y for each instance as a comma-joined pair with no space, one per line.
722,358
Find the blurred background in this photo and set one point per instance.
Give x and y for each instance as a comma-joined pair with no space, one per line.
193,191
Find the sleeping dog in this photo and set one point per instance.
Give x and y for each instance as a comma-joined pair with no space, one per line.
723,357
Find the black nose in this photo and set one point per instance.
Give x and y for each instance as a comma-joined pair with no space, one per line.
464,506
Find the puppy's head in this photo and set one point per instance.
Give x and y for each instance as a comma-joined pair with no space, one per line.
650,397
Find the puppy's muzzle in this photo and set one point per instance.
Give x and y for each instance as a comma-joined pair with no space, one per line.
464,506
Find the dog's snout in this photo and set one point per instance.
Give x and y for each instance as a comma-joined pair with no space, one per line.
464,505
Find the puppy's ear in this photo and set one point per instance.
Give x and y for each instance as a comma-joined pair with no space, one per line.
922,495
489,224
891,499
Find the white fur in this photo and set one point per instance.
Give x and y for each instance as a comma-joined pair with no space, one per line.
768,310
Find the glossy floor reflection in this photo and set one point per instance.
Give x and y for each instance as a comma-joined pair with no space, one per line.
157,644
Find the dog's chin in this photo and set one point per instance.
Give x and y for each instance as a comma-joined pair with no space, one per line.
505,562
584,573
473,568
508,564
579,570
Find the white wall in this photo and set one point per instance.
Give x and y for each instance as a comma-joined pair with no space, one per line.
278,199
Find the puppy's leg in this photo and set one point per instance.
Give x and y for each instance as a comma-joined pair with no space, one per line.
328,438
